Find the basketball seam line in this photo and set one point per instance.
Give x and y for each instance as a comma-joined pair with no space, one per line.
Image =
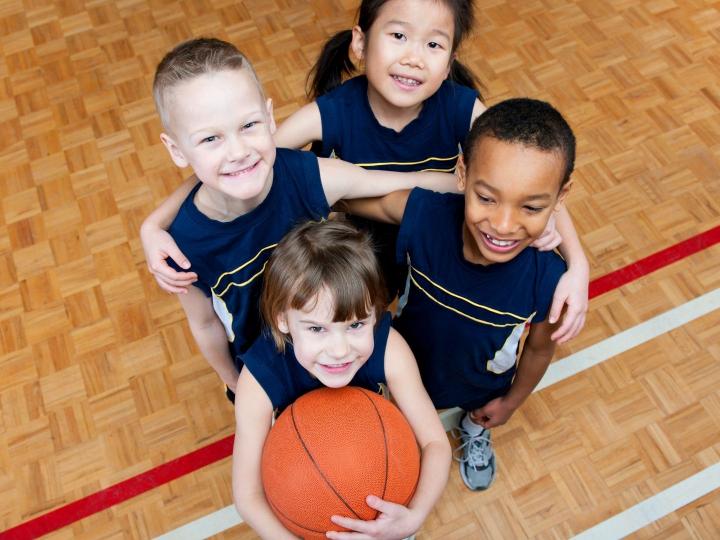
382,425
291,520
317,467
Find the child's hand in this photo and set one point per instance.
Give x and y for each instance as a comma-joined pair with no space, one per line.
158,245
572,289
493,413
394,522
550,237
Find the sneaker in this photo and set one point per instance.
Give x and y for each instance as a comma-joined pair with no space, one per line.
477,459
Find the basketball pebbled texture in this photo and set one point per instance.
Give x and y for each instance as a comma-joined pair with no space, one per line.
331,449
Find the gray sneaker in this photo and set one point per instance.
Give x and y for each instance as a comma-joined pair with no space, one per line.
477,459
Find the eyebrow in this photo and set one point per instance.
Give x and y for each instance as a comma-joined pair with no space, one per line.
536,197
434,30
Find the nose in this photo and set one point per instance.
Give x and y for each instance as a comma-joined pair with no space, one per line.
236,148
337,346
412,55
503,221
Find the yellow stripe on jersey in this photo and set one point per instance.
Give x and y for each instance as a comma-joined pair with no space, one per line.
475,319
475,304
381,163
271,246
233,284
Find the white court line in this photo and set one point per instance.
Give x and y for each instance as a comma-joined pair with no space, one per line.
655,507
206,526
558,371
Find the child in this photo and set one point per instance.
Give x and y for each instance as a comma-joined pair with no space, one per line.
406,113
475,282
247,193
324,301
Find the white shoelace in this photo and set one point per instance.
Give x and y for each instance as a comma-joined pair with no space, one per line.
479,448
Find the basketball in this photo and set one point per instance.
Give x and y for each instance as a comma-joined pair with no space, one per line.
331,449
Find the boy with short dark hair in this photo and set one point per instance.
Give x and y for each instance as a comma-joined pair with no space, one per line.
475,282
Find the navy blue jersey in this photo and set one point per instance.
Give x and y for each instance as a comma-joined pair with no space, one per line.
464,321
284,379
230,257
431,142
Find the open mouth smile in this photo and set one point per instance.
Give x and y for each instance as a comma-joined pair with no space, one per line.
501,246
406,81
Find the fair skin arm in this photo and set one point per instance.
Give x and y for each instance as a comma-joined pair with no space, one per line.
572,289
300,128
209,334
532,365
253,419
342,180
159,245
395,521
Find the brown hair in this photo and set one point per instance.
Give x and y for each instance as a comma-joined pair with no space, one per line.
191,59
318,254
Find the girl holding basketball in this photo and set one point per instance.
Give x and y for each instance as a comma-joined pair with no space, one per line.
324,303
410,110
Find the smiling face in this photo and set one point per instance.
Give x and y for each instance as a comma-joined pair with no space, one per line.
331,351
407,53
221,126
511,191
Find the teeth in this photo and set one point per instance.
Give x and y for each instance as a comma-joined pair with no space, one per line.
405,80
500,243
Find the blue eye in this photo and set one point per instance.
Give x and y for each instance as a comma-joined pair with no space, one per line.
357,324
315,329
211,138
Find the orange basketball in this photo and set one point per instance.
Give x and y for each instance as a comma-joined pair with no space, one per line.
331,449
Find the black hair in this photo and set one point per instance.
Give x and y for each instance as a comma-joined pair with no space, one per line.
525,121
333,63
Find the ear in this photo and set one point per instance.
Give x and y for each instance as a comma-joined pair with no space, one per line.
174,150
357,45
460,172
282,324
271,117
453,57
563,193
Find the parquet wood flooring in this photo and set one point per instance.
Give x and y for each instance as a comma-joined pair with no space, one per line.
100,379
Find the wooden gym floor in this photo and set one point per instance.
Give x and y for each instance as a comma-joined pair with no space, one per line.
101,383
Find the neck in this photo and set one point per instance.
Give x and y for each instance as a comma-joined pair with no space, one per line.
390,116
221,207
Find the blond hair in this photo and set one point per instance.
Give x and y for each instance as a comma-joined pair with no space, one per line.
191,59
322,254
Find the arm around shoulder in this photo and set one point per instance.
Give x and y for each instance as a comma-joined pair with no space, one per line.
300,128
253,419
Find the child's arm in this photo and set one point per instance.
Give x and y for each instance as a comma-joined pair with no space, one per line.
253,418
572,289
397,521
478,109
300,128
342,180
387,209
209,333
158,244
534,360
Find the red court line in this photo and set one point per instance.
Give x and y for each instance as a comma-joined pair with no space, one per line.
653,262
121,491
218,450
